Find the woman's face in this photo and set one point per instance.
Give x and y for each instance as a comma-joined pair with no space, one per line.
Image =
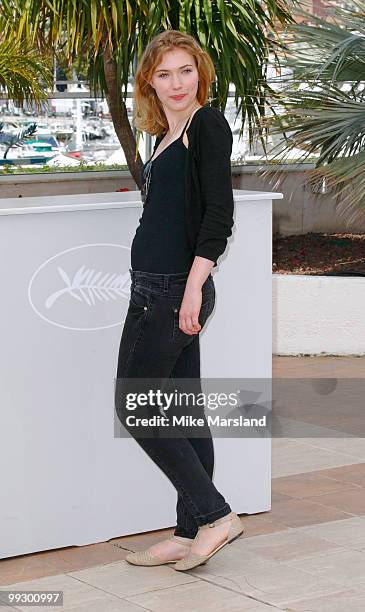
176,74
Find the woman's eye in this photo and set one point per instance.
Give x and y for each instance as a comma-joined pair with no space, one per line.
165,73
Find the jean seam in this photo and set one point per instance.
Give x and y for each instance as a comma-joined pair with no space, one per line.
142,328
198,516
173,476
176,327
185,525
174,323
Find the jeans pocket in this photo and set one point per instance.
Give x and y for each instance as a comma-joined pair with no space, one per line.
140,299
206,310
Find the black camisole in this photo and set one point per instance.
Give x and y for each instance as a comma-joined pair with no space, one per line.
160,243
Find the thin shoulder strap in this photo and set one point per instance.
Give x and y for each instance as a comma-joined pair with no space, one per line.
189,120
157,142
183,132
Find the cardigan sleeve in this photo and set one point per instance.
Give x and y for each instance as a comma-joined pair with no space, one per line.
215,178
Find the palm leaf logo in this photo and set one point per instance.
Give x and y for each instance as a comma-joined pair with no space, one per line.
87,284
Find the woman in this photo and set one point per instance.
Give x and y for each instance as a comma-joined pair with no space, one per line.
186,220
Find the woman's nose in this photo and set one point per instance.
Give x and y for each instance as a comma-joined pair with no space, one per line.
176,82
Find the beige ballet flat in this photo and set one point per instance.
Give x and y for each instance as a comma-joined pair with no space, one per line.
193,560
143,557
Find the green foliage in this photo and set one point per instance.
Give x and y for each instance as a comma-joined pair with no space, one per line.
99,167
24,73
239,36
323,102
17,140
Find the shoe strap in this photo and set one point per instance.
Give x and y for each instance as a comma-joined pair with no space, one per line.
223,519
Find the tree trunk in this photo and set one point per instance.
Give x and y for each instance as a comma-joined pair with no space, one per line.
119,115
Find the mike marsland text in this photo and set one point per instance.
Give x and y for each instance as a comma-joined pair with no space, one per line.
189,421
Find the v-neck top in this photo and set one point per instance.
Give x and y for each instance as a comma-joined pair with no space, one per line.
161,242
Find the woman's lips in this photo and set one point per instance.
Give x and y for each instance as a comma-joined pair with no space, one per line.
178,97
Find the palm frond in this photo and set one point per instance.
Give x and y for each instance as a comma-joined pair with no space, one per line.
17,140
323,102
345,177
239,36
23,73
327,50
324,119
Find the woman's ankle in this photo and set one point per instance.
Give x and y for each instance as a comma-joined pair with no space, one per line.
183,539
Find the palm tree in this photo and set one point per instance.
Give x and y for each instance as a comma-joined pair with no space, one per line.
24,75
111,35
323,102
17,140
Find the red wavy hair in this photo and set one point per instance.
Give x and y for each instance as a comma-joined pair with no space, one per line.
148,112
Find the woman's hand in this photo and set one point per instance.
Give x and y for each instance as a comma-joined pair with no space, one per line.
192,300
189,311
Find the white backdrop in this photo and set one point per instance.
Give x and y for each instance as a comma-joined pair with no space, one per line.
65,479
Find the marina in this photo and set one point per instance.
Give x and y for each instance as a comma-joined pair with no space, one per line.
79,132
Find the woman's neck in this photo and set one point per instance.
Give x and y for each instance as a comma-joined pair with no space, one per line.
176,122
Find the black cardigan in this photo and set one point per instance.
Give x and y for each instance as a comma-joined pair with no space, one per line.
209,204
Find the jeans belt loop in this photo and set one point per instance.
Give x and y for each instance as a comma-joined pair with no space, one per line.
165,283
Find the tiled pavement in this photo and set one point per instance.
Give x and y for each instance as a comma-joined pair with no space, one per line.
307,553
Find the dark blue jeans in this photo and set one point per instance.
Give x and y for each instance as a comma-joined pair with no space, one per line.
153,346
